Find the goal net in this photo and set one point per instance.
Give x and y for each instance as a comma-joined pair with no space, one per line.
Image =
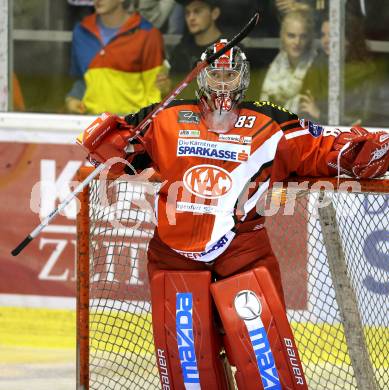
333,248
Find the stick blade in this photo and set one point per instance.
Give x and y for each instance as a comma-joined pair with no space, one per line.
237,38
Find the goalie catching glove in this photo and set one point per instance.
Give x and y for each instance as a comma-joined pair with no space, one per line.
108,137
361,153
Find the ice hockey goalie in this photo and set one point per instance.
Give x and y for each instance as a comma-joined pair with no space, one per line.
215,281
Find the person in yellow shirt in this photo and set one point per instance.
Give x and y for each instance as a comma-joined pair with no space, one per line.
116,57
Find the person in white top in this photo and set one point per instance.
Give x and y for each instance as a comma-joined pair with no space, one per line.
284,78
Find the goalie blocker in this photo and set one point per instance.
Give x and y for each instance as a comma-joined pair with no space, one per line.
256,333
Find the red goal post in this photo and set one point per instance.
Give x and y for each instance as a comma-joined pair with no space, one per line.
333,248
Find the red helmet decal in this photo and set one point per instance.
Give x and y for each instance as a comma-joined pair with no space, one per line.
225,60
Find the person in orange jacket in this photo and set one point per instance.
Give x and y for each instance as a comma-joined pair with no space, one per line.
116,57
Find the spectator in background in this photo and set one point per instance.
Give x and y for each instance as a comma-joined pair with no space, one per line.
314,96
286,6
116,57
318,7
201,19
284,78
176,20
235,14
375,18
155,11
359,77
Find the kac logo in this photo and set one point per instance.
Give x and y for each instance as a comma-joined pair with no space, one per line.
207,181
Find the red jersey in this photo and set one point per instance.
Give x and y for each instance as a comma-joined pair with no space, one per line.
212,182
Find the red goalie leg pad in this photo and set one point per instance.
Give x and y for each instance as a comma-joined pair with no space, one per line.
259,339
186,341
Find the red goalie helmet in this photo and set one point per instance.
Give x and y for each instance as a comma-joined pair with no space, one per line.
222,85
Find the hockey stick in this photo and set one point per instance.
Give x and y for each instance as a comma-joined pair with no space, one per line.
138,131
56,211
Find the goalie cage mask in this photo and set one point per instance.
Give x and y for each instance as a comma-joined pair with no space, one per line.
222,85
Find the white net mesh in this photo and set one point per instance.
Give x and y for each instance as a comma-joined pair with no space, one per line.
121,353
